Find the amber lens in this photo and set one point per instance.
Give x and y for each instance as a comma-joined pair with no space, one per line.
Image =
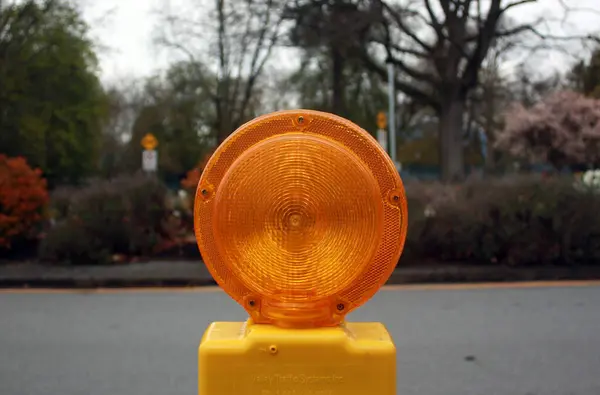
297,217
300,216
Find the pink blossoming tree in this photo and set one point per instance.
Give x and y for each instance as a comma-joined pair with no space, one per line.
563,129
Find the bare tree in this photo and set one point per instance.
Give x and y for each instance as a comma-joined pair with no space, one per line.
231,46
439,48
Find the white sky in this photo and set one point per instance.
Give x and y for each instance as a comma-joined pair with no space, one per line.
125,28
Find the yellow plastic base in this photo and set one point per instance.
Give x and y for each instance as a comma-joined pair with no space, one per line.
242,358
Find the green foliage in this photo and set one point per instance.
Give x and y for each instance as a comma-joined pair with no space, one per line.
364,95
52,101
179,112
333,33
127,215
516,221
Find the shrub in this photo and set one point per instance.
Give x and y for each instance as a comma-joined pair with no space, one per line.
128,215
60,199
516,221
190,182
23,198
185,203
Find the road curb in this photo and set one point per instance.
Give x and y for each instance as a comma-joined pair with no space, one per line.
488,274
103,283
194,274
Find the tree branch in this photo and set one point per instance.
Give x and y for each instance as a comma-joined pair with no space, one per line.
484,40
256,65
401,49
398,19
243,50
412,72
410,90
192,60
515,4
435,23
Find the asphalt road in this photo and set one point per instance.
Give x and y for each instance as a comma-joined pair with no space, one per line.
523,341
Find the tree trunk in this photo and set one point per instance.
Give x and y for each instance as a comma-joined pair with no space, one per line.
451,141
224,128
223,121
337,82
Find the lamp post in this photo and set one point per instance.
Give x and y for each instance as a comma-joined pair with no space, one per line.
392,112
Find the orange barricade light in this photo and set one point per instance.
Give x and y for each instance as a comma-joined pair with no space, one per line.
300,217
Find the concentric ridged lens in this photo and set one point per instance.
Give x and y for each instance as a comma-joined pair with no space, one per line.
300,216
297,217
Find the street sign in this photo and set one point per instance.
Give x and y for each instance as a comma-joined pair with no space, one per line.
381,120
149,142
149,160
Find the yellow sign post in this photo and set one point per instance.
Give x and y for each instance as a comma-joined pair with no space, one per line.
381,133
381,120
149,142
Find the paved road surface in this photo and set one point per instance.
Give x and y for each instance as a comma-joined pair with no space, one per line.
525,341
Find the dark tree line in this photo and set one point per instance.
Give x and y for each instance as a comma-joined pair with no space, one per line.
446,54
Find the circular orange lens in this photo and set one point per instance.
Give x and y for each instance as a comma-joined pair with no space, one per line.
300,217
283,223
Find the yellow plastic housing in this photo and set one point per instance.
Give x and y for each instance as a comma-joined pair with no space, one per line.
242,358
300,217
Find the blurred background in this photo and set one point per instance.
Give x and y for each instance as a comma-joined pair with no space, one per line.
110,109
496,114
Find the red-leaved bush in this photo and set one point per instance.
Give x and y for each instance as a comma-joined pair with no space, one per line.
190,182
23,198
563,129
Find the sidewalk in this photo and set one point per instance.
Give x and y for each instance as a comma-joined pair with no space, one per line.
189,273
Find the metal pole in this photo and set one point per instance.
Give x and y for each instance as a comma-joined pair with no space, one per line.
392,112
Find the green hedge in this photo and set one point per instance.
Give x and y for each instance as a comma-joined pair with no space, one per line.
515,221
